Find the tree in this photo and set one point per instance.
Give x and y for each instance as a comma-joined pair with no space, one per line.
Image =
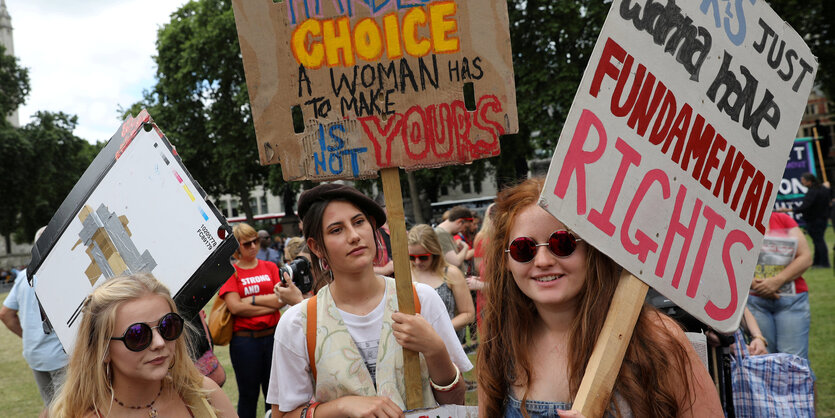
200,101
14,84
57,159
814,21
14,151
42,161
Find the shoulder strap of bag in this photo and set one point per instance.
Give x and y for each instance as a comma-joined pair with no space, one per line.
311,328
311,334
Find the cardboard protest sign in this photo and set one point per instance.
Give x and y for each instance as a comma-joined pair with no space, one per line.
791,191
675,144
446,411
135,209
376,84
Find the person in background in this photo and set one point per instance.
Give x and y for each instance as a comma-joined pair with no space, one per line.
468,235
384,263
250,297
130,358
548,296
278,244
459,218
429,268
293,248
266,252
780,303
41,349
354,366
476,283
815,211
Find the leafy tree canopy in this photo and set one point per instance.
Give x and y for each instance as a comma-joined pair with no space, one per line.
14,84
42,162
201,102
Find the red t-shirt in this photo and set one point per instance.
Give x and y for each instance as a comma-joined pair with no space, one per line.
259,280
779,225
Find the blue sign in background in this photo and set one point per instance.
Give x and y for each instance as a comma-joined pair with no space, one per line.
791,191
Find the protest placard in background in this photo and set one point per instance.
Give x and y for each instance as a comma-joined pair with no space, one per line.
675,144
376,84
791,191
135,209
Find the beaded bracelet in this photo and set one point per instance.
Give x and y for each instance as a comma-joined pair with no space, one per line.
761,338
450,386
312,409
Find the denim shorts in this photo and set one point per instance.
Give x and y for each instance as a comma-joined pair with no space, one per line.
536,409
784,322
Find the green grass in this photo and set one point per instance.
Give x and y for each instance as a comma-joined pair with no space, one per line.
822,334
20,394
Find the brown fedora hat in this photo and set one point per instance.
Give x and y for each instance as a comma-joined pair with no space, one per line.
331,191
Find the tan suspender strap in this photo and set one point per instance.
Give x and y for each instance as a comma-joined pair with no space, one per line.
311,334
311,328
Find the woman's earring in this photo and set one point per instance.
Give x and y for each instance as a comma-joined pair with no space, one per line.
323,265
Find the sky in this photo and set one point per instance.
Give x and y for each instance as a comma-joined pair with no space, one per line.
87,57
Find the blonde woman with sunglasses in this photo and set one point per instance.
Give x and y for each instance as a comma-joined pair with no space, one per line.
430,268
250,297
130,358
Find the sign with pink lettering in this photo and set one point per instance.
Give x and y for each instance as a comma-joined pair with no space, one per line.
676,142
340,89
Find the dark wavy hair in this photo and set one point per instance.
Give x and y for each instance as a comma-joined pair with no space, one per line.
655,367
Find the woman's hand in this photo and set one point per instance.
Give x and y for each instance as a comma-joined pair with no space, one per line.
757,347
414,332
288,294
368,406
474,283
766,287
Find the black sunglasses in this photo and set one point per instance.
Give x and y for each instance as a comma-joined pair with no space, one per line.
139,335
561,243
249,243
422,257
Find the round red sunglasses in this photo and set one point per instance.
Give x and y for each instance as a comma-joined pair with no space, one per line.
422,257
561,243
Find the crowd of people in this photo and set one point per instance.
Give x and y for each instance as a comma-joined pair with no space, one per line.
335,349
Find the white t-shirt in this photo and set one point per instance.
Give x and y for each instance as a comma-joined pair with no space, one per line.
291,383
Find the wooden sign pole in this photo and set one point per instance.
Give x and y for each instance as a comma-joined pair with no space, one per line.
403,277
820,156
604,365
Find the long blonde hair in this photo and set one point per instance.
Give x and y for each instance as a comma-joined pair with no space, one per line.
426,237
87,387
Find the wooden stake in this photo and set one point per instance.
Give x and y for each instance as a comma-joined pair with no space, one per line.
403,277
820,156
595,390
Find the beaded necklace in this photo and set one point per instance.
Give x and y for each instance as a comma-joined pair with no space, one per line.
152,412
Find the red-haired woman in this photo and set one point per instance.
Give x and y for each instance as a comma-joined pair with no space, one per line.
548,297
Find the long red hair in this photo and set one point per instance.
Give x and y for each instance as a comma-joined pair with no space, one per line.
655,367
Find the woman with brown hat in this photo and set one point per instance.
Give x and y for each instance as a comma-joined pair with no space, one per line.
356,334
